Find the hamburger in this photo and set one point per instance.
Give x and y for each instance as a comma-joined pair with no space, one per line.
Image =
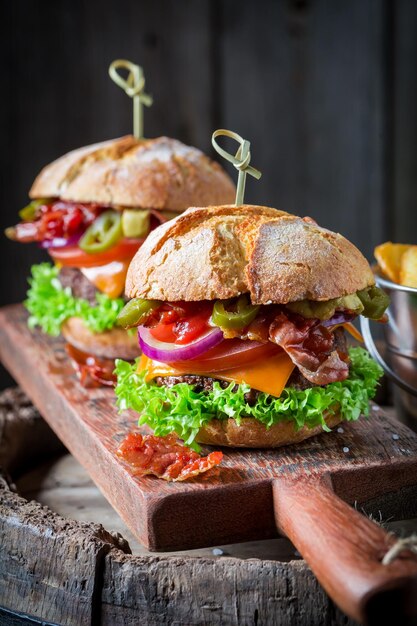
242,315
92,209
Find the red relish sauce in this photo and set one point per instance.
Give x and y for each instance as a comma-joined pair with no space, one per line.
180,322
58,219
164,457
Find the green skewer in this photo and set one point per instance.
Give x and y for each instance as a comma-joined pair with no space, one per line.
240,160
133,86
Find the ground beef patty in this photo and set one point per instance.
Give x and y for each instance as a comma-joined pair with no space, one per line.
80,285
204,383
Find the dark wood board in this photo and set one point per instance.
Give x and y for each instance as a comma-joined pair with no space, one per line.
122,589
237,497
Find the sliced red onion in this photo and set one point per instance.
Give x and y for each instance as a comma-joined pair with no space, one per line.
171,352
60,242
340,317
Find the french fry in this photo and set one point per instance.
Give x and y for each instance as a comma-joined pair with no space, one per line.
389,257
408,272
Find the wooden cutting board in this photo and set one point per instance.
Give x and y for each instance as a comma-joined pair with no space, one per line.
254,494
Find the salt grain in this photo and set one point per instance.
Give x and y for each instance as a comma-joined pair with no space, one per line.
340,430
217,551
346,449
395,437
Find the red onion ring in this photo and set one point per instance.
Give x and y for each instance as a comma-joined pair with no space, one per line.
340,317
170,352
60,242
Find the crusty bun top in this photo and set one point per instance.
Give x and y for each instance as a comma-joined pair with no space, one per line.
157,173
219,252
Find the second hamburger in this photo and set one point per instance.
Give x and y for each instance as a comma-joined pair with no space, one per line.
92,209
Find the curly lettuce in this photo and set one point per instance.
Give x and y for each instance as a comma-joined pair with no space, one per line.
50,304
185,411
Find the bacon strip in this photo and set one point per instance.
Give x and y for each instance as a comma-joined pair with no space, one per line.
91,370
310,346
165,457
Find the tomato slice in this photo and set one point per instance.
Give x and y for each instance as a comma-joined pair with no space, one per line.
73,256
227,355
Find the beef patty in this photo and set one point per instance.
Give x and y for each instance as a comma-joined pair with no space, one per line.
205,383
80,286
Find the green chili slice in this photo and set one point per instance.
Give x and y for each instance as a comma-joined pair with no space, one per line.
375,301
325,309
103,233
28,213
234,314
136,311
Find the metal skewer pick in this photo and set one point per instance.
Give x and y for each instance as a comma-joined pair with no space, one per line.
133,86
240,160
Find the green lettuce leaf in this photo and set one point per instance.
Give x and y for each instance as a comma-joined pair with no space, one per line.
183,410
50,304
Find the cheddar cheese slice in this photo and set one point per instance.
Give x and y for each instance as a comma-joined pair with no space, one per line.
110,278
269,375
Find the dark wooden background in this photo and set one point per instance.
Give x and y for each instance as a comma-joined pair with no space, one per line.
325,90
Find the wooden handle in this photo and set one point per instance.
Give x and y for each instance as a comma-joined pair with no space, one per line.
345,549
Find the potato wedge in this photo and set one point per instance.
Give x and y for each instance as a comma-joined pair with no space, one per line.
389,257
408,272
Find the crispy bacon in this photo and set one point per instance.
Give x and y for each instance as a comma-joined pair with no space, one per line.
165,457
258,330
57,218
311,348
91,370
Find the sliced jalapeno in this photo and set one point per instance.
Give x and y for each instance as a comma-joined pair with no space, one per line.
28,213
324,310
136,311
234,314
103,233
375,301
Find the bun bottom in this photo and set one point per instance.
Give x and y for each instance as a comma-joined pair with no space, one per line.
253,434
111,344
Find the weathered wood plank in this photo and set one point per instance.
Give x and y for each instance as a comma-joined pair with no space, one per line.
48,562
175,590
49,566
16,456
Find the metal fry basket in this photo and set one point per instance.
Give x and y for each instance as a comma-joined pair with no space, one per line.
400,337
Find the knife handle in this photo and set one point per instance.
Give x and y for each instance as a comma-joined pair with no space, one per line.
345,550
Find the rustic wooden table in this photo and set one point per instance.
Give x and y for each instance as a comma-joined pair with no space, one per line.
67,558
